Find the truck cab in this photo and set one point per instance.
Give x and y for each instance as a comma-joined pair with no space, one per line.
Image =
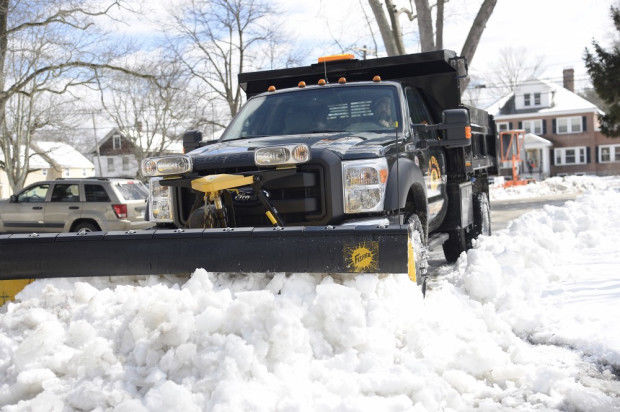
343,142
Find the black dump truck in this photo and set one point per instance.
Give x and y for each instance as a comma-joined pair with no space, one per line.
341,166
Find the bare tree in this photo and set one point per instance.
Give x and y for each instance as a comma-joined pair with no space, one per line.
421,10
47,47
513,66
218,39
150,114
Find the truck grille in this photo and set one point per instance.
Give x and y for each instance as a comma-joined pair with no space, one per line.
299,199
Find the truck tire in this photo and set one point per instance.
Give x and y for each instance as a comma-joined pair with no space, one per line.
420,247
455,245
205,218
482,215
459,240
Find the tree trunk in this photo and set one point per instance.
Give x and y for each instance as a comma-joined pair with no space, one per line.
384,28
439,26
397,34
425,25
475,33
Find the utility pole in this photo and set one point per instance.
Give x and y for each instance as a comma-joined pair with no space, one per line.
96,142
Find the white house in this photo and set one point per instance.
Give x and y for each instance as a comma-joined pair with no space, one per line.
51,160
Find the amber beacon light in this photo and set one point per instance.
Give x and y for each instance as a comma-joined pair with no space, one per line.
335,57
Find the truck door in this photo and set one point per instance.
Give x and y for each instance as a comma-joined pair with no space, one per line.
26,214
432,160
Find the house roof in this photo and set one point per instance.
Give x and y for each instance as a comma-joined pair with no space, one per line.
65,155
61,153
563,101
172,146
531,140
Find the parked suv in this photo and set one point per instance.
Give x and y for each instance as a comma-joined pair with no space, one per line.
76,205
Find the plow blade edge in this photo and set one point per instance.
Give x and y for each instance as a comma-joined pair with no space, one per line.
344,249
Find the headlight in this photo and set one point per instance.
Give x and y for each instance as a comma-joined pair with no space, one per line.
364,184
160,201
166,165
281,155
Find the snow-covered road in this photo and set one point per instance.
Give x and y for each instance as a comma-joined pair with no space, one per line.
527,320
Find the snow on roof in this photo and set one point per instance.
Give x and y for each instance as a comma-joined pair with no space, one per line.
532,140
63,154
495,107
563,100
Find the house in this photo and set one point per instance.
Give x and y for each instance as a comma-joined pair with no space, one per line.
114,155
49,161
563,129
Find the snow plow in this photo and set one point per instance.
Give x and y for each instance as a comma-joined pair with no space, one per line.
344,166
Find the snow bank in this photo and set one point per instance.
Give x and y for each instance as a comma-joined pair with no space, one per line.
553,186
554,275
305,342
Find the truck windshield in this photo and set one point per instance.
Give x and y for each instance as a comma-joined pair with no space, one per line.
373,108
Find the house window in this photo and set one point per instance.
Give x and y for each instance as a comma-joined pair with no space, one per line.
569,125
536,99
502,126
84,171
570,156
125,162
110,164
67,173
44,172
533,126
609,153
116,141
526,99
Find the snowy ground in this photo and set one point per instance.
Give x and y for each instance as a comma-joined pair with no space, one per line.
526,320
553,187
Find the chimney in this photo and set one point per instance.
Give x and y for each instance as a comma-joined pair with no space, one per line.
569,79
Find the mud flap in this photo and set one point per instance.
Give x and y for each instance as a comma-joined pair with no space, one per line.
312,249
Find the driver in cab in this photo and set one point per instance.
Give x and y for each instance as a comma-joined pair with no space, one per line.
384,112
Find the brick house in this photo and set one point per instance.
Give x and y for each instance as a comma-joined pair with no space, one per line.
569,122
115,155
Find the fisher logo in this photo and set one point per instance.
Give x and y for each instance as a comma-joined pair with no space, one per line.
362,257
435,172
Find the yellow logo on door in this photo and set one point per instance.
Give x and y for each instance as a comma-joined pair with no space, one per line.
435,172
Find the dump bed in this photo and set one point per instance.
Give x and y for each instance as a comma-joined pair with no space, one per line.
436,74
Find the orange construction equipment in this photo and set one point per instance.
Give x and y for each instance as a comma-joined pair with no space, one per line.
511,142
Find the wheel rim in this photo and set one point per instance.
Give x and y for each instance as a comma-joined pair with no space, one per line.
84,230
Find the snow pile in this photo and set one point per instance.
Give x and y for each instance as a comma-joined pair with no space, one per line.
306,342
553,186
554,276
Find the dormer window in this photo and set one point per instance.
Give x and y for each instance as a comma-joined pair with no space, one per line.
536,99
116,141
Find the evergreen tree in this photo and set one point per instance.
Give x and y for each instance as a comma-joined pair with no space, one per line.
604,69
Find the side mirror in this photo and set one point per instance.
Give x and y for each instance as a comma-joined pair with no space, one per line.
13,199
191,140
455,122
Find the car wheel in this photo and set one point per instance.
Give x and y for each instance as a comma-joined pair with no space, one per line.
85,227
